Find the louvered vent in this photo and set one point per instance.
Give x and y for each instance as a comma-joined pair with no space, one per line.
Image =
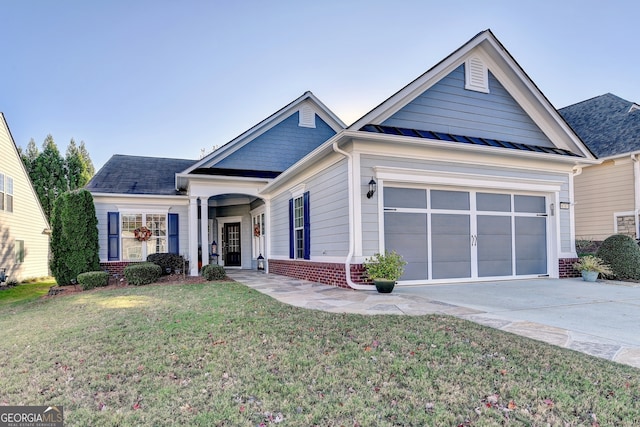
476,75
307,117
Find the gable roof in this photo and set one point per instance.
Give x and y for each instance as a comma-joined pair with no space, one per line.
138,175
16,153
238,154
507,72
608,124
230,147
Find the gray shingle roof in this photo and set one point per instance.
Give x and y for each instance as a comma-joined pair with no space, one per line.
138,175
605,124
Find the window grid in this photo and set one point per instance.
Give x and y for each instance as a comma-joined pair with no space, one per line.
9,204
298,226
1,191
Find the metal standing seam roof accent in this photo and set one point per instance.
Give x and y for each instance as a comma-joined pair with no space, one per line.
462,139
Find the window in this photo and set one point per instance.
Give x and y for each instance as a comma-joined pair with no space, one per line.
258,235
136,245
299,227
1,191
9,202
19,251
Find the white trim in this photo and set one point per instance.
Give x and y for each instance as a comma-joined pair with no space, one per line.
633,214
297,191
142,209
221,222
402,175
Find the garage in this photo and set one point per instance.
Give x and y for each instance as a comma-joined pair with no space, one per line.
452,234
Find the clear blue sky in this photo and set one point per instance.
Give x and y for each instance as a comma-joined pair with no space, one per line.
167,78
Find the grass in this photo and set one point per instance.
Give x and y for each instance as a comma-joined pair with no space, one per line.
221,354
25,292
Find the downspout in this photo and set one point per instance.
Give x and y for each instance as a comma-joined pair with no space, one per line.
636,191
347,263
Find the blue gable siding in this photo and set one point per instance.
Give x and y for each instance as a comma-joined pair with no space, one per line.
448,107
279,147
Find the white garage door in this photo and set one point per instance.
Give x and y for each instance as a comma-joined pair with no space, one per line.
446,234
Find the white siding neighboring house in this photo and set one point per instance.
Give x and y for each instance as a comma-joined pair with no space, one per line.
474,171
24,231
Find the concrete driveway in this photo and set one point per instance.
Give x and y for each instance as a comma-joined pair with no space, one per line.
602,318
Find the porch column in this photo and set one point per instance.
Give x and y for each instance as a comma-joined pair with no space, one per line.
204,230
267,234
193,236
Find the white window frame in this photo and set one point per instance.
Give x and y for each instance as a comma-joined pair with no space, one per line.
143,245
634,214
2,191
258,219
9,194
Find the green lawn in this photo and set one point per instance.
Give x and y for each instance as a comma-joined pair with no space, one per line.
24,293
221,354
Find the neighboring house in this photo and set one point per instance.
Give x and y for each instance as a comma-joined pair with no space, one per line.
467,172
607,195
24,230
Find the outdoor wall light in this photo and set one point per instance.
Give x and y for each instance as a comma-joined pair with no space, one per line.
372,188
565,205
260,263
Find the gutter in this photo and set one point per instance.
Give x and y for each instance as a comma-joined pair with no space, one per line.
347,263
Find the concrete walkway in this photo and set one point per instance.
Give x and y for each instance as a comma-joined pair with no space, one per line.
601,319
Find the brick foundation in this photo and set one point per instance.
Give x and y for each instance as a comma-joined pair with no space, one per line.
565,268
116,267
321,272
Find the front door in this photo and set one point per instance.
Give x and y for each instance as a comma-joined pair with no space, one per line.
231,244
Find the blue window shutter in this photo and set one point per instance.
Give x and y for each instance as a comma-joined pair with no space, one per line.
174,242
292,237
307,226
113,236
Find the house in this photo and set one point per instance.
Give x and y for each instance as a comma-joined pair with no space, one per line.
24,230
607,195
467,172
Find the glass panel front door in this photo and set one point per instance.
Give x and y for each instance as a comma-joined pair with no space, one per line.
231,244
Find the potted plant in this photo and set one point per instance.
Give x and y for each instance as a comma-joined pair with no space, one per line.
385,270
591,266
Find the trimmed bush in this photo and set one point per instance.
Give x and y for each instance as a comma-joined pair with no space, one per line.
142,274
74,236
622,254
213,272
167,261
93,279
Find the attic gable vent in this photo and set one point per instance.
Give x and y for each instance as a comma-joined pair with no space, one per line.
476,75
633,108
307,117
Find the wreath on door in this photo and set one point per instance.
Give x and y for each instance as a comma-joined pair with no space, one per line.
142,234
256,230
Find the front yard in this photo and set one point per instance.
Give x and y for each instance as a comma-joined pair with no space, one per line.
221,354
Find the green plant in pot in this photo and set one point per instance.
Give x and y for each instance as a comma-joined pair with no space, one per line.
591,267
385,270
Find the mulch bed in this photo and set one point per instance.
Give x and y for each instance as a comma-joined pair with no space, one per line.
171,279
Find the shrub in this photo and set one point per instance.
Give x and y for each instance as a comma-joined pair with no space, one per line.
74,236
142,274
92,279
622,254
213,272
167,261
387,266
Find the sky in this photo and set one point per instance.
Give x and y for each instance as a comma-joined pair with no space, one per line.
169,78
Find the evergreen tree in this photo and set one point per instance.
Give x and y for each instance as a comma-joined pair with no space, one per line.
78,174
48,175
87,160
29,156
74,237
